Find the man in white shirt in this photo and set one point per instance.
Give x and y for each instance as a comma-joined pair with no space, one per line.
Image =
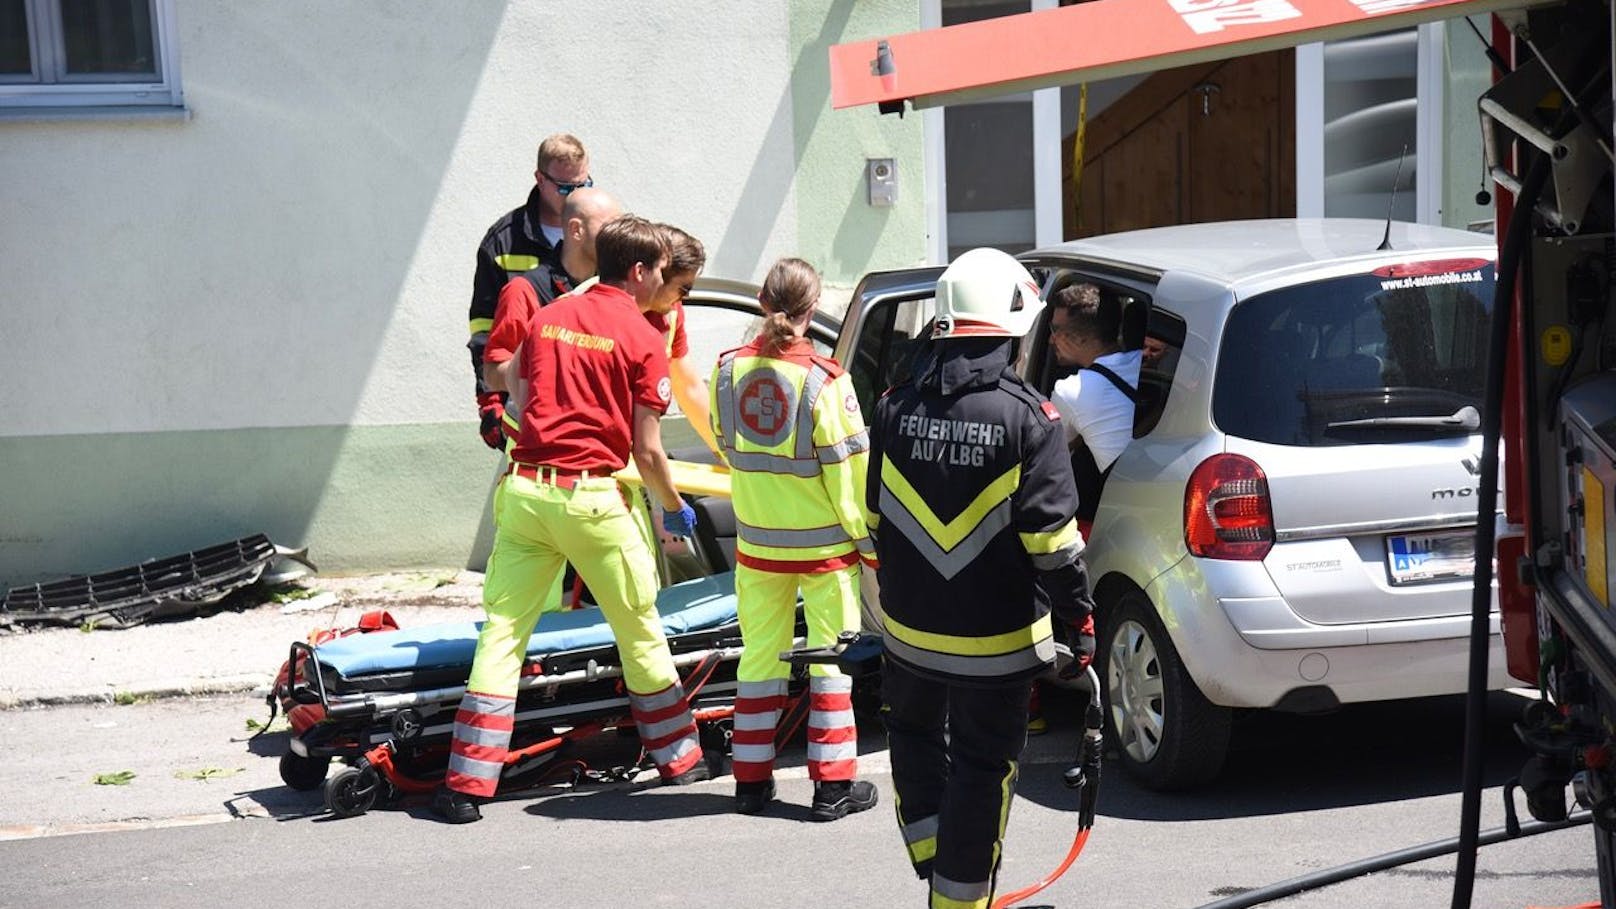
1096,402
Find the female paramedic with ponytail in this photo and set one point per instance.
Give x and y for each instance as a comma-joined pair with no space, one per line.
788,423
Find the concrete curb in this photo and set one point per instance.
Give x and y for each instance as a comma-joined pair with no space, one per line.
257,684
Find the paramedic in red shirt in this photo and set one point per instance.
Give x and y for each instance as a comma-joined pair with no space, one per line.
686,257
586,211
599,384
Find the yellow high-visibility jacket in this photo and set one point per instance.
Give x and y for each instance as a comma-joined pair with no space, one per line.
790,427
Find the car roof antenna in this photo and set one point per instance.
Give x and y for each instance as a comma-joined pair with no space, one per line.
1386,240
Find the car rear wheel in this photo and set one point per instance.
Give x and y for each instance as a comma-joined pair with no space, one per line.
1168,734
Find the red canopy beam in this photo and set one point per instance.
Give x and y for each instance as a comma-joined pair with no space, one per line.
1104,39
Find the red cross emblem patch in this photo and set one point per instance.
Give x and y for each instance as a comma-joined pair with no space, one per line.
766,407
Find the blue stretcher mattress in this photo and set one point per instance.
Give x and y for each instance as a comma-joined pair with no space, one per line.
698,605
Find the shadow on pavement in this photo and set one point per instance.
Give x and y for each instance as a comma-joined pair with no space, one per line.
268,745
280,803
1279,763
652,803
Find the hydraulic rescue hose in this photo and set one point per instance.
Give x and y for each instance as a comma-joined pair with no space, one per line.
1510,254
1084,776
1481,600
1407,856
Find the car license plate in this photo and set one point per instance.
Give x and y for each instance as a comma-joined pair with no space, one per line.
1439,556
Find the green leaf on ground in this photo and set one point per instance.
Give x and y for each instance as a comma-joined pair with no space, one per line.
117,778
288,593
421,581
125,698
275,725
207,773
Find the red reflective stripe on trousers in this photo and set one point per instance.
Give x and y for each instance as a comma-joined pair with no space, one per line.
752,736
681,765
485,720
760,705
683,732
830,700
479,752
661,713
832,771
470,785
835,735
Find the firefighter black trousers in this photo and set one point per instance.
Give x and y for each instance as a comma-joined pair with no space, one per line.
953,791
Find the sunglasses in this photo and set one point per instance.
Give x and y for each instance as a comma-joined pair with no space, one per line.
565,189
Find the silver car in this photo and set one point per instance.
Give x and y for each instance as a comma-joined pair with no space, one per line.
1291,527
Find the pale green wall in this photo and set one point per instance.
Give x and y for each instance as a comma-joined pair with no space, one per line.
267,301
362,499
837,229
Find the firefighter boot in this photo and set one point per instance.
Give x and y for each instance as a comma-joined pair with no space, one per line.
455,807
837,798
753,797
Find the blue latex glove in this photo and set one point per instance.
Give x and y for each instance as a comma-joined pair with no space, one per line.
681,523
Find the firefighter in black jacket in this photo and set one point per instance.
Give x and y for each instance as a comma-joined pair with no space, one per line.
527,237
974,504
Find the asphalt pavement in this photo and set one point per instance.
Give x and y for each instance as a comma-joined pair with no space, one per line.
119,746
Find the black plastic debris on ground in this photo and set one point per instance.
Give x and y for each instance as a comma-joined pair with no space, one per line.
160,588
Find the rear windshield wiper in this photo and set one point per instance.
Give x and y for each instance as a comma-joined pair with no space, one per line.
1466,418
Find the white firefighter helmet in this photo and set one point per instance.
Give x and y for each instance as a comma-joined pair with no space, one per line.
986,293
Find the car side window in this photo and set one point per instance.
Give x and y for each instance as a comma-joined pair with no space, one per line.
1159,334
888,336
1162,345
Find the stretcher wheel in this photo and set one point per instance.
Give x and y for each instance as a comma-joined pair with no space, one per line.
305,774
352,791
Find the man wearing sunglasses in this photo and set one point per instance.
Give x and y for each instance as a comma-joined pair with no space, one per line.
527,237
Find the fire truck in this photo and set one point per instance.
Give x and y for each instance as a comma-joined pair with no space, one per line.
1547,140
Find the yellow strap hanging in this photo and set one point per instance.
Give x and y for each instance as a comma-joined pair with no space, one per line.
1077,154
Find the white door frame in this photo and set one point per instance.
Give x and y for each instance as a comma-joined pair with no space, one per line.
1430,141
1048,225
935,158
1046,158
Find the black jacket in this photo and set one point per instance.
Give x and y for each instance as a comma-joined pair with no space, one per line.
975,502
513,245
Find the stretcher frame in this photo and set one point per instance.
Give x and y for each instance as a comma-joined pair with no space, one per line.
395,743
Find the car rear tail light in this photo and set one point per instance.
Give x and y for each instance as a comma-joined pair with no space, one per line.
1227,513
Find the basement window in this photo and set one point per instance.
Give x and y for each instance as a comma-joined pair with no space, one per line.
87,54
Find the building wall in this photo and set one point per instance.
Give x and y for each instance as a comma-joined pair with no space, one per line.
254,319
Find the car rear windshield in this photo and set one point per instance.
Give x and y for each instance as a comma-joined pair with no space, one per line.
1395,354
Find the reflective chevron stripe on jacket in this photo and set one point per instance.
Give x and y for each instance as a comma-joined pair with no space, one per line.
972,496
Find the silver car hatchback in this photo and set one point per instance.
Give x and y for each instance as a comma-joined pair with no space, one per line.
1291,527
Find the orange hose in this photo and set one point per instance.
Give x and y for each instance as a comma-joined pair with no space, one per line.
1010,899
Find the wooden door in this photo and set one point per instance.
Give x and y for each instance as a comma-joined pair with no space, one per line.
1208,142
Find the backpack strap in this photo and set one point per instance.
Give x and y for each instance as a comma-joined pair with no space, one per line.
1128,390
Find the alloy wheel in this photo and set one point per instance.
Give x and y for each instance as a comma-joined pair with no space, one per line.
1134,684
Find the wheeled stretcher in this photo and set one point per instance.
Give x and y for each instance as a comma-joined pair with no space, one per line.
384,703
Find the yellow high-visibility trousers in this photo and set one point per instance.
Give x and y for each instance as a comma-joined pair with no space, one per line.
541,527
767,605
